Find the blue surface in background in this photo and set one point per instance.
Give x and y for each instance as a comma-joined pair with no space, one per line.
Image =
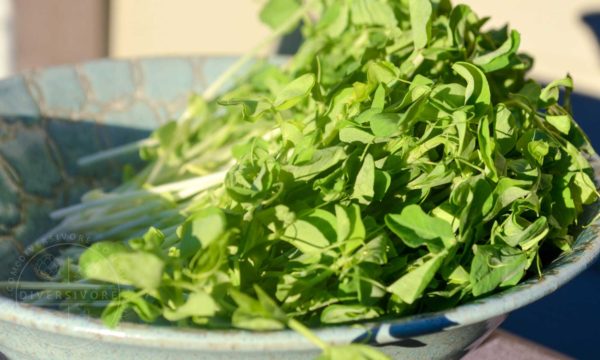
569,319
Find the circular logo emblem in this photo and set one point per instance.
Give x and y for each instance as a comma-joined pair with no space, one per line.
47,276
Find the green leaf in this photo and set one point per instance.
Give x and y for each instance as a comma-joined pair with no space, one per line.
416,228
294,92
252,315
198,303
564,207
364,185
372,12
251,109
585,188
506,192
494,266
292,133
551,93
487,148
382,72
126,300
312,233
379,99
412,285
383,180
269,304
352,134
335,19
322,159
461,20
561,123
350,228
200,230
113,263
534,233
538,150
113,313
517,231
151,241
276,13
478,88
504,129
414,114
334,314
501,57
376,250
384,124
166,134
420,21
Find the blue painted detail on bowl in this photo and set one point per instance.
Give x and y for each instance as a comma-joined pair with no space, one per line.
417,327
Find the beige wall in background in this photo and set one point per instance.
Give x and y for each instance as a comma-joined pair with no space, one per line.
150,27
6,38
552,31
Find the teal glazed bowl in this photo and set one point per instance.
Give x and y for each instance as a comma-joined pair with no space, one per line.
51,117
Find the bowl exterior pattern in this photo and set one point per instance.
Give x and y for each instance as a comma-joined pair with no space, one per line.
51,117
25,342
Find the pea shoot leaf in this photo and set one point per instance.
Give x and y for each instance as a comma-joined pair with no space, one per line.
496,265
276,13
416,228
112,262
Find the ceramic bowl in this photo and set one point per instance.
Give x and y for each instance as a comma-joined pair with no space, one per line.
51,117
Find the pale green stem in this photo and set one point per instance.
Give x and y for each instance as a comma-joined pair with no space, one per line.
116,151
198,184
131,225
309,335
112,217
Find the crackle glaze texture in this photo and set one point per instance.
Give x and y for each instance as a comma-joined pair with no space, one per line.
51,117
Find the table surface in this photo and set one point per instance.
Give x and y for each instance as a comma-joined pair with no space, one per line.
502,345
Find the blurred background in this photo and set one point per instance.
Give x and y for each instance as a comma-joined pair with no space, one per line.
563,36
558,33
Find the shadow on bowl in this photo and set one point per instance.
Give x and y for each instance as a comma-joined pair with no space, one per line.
39,172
